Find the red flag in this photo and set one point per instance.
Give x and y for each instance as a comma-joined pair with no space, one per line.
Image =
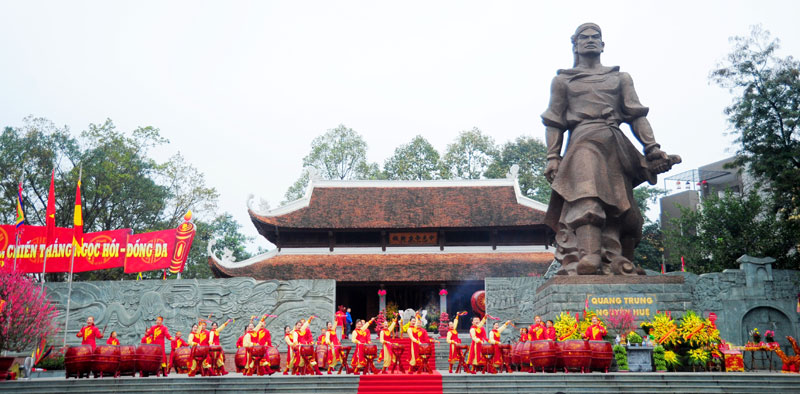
50,218
77,229
683,265
662,266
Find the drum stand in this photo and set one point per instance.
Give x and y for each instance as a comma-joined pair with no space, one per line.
506,360
487,363
214,354
256,361
344,351
425,367
370,365
397,365
461,362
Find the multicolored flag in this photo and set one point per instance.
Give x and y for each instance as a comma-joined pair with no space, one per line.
38,353
77,229
20,209
683,265
50,215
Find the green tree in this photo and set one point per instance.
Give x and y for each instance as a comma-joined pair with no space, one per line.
226,233
531,156
723,228
340,153
416,160
469,156
650,251
764,116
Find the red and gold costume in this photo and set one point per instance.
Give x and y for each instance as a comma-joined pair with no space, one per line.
478,335
332,340
158,333
292,356
494,339
387,356
240,341
550,333
175,343
199,338
147,340
523,336
112,341
263,336
418,336
220,361
252,339
595,332
536,332
360,337
453,341
341,320
89,333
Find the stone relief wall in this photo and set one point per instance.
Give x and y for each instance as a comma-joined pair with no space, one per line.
130,307
512,298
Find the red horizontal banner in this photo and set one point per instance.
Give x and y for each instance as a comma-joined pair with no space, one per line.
101,250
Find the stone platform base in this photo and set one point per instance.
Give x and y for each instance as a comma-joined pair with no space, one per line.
570,293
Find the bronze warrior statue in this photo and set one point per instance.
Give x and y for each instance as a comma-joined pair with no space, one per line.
597,222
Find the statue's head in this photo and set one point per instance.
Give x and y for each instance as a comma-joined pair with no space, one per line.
587,41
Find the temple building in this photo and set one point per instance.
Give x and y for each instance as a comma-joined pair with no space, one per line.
410,238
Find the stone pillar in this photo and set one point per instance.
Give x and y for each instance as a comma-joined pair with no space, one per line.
443,300
381,299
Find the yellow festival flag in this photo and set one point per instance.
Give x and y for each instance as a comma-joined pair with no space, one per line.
77,234
20,211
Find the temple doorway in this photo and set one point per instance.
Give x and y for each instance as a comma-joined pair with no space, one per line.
363,299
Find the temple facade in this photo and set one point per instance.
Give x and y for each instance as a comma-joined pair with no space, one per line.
409,238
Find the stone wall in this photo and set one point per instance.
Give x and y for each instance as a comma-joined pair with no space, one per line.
130,307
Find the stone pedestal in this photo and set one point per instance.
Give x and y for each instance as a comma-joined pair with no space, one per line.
640,358
643,294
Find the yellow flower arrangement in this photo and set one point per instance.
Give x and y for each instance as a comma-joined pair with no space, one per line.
565,327
665,330
671,358
698,356
692,330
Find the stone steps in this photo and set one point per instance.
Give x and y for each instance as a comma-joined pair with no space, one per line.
451,383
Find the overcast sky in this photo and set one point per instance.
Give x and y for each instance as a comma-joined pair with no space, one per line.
241,88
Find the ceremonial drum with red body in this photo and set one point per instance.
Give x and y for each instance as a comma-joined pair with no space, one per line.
542,354
322,356
199,352
307,351
274,358
78,361
602,354
257,351
515,353
506,349
149,358
105,360
425,349
372,351
183,359
397,349
127,360
487,349
240,359
576,354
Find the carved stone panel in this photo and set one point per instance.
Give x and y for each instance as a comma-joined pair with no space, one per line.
130,307
512,298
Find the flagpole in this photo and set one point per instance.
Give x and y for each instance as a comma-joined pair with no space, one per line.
71,264
44,263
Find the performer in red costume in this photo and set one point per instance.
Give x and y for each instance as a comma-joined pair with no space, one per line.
263,336
302,336
176,343
550,331
384,336
89,333
360,337
596,331
536,330
214,334
200,338
158,333
332,340
478,335
418,336
292,356
453,341
494,340
112,339
341,320
523,334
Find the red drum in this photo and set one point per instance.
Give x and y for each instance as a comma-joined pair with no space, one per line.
506,350
372,351
183,359
105,360
397,349
487,350
215,349
425,349
127,360
200,352
258,351
148,359
576,354
543,354
78,361
307,351
240,359
602,355
322,356
274,358
515,353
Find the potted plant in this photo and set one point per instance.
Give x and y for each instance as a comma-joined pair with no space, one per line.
769,336
698,358
756,335
26,316
634,339
659,360
621,321
672,359
621,357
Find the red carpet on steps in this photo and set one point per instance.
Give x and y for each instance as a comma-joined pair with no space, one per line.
416,383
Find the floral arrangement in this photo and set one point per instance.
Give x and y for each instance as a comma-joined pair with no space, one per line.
566,327
634,338
621,320
671,358
391,311
381,292
442,292
769,335
698,357
696,331
665,330
444,319
756,335
27,317
380,319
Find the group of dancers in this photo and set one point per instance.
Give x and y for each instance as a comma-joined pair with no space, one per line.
484,352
